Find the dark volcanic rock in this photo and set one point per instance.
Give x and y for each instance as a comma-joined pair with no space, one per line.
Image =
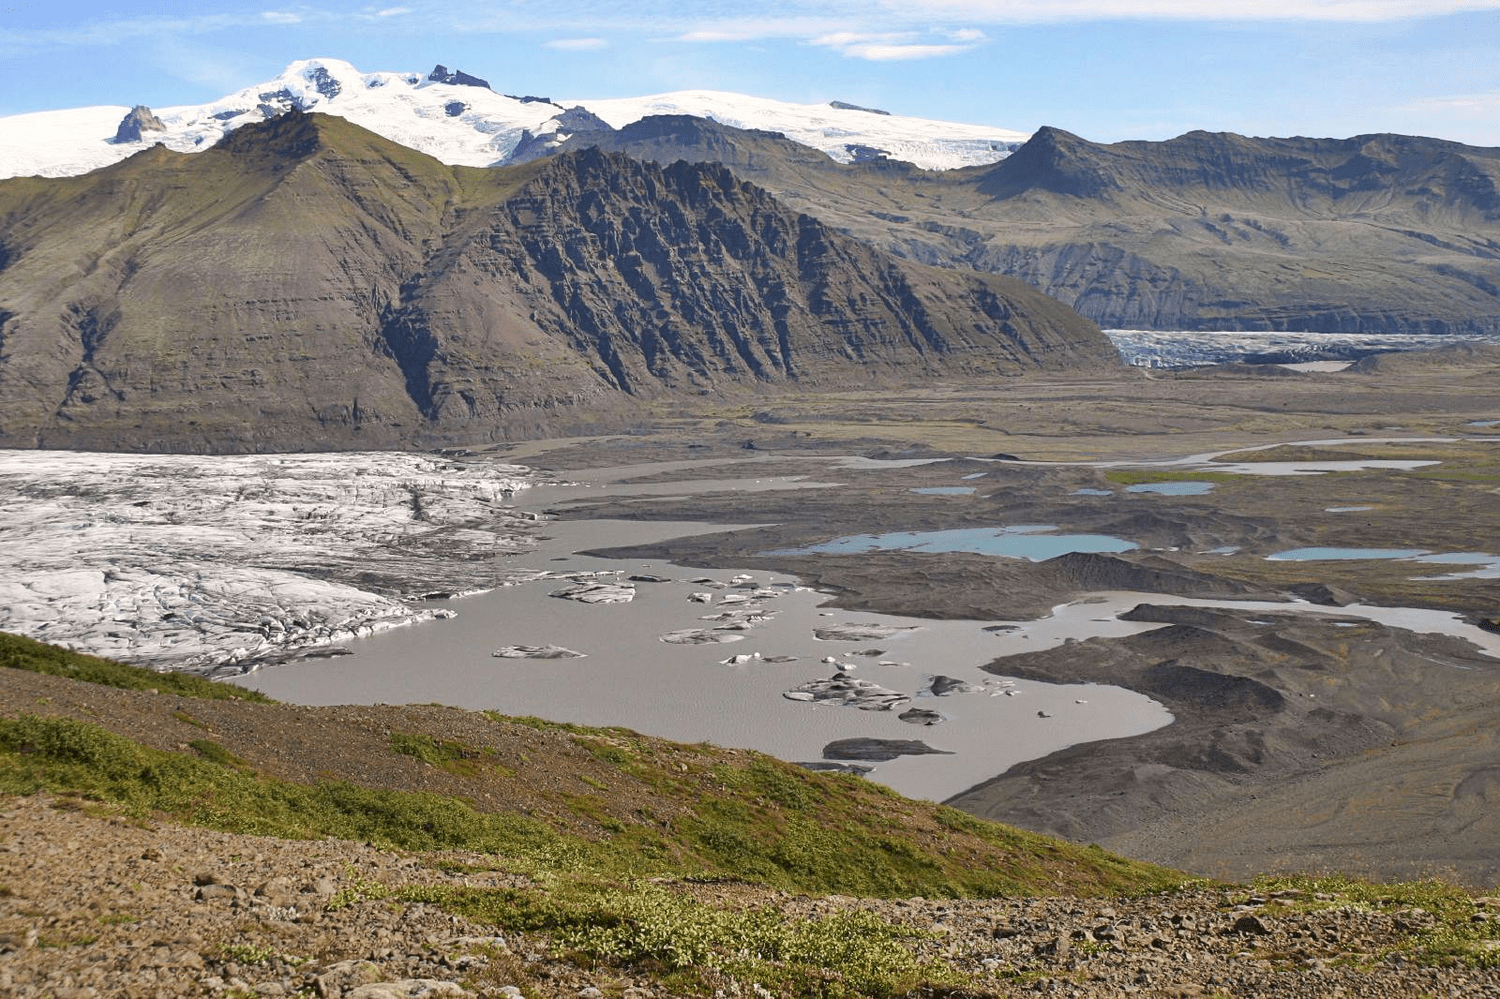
1287,729
577,127
1091,571
136,123
324,83
878,750
845,106
457,77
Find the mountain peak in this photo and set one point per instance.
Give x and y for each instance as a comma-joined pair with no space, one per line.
1052,160
470,127
457,77
135,124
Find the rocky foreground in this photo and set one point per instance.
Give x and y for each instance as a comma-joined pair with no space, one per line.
92,904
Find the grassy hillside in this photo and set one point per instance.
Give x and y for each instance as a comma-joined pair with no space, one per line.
623,857
641,806
593,865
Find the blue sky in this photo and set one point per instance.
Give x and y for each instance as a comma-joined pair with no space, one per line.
1106,69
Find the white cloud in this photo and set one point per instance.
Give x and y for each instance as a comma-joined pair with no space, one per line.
1047,11
893,53
1483,103
280,17
393,11
576,44
894,46
757,29
843,39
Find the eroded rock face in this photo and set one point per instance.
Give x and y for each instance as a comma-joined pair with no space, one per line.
456,77
1208,231
357,293
136,123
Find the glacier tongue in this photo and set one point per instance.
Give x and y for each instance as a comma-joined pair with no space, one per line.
204,563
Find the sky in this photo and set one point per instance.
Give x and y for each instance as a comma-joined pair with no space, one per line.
1105,69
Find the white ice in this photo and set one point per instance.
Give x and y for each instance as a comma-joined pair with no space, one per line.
189,562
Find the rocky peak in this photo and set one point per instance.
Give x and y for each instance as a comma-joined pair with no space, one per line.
573,121
581,119
457,77
845,106
324,82
1051,160
138,121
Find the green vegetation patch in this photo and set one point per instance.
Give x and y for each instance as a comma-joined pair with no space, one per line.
770,822
1442,918
694,944
39,657
456,758
215,752
62,755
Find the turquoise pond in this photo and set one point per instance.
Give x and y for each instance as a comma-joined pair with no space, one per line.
1028,541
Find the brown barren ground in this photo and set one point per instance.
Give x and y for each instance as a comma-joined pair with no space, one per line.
1365,748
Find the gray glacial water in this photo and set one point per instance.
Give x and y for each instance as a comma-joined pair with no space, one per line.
629,676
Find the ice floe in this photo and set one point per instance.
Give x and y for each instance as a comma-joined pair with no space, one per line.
861,632
536,652
867,695
596,591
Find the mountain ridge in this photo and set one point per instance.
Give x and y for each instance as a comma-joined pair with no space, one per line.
308,282
1208,231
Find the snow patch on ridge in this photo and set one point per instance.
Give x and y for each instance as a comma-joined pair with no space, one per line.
414,110
932,145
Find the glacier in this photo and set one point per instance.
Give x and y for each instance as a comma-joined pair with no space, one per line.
218,564
464,124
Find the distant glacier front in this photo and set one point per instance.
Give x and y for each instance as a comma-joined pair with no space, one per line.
1199,348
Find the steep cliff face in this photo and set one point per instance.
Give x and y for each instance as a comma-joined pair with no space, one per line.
1379,233
308,284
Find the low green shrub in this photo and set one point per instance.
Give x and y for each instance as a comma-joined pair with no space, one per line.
39,657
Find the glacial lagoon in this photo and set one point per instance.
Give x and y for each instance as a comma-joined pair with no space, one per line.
731,692
209,553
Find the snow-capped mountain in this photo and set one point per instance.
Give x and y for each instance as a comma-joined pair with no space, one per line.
458,119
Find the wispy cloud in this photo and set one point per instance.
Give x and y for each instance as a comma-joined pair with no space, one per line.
393,12
577,44
1430,115
1481,103
280,17
1048,11
808,18
895,53
760,29
894,46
